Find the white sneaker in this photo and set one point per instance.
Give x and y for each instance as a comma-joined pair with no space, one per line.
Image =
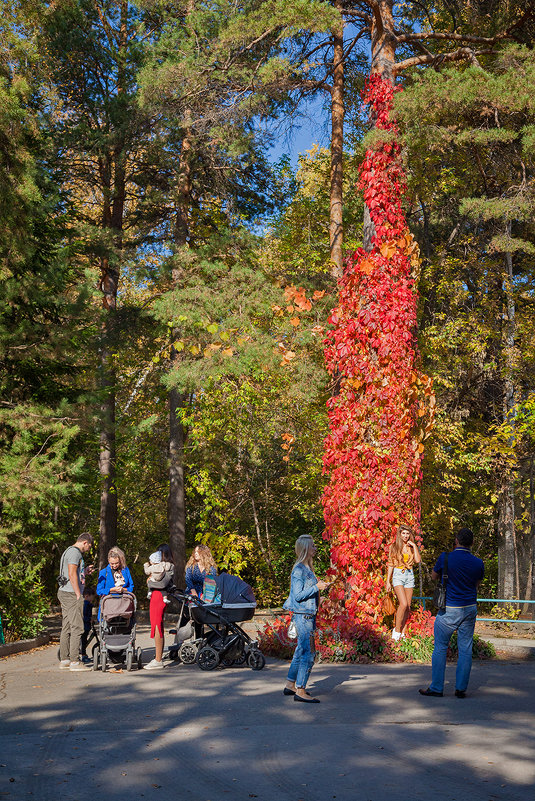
153,665
65,664
78,666
396,635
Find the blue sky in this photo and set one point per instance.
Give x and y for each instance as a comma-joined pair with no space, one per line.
309,128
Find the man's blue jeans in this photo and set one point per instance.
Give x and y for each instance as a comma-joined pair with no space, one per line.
305,651
463,620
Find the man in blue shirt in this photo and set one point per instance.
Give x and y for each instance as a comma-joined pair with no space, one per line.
464,572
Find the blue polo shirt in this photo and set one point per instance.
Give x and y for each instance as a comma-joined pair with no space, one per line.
464,572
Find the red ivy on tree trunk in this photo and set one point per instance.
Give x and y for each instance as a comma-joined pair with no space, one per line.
374,450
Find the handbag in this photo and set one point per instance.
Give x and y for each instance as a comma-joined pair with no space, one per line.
389,607
292,631
439,595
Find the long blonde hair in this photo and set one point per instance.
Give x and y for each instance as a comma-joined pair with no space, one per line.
303,550
396,549
206,560
118,554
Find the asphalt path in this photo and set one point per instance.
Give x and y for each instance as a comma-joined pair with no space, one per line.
185,735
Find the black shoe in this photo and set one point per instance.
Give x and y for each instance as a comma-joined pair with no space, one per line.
431,692
286,691
460,693
306,700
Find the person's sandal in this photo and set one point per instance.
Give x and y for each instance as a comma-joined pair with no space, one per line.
431,692
306,700
286,691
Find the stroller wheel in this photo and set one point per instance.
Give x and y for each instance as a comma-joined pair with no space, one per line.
173,653
256,660
129,659
103,660
139,658
187,653
96,657
207,658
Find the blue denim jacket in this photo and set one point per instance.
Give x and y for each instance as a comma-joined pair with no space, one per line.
304,594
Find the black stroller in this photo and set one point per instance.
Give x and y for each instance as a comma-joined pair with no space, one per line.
224,642
117,632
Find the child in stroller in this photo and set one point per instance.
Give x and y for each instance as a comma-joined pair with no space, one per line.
117,632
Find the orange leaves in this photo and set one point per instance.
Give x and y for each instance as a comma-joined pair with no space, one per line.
366,266
289,440
295,321
388,249
298,297
287,355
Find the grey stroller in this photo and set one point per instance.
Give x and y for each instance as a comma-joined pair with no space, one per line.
117,632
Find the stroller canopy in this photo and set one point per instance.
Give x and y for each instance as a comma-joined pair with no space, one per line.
120,605
233,590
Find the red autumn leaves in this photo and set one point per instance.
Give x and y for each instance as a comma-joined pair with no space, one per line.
373,452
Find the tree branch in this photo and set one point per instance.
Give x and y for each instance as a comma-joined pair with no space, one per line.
440,58
451,37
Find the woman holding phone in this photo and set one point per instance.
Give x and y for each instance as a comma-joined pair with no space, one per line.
303,603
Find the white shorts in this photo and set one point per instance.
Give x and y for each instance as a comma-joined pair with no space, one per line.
403,578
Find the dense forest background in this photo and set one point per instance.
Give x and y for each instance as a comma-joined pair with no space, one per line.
166,286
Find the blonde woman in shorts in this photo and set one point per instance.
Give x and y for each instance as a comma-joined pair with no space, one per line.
402,556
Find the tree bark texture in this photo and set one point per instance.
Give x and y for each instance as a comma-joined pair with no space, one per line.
336,230
107,455
508,570
176,506
112,169
383,42
176,502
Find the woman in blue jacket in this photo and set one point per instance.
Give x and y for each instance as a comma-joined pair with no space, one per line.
303,602
115,577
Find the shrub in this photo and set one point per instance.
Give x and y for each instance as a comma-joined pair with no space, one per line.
481,649
22,601
363,643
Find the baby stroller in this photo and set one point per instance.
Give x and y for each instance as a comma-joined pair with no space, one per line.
224,642
117,632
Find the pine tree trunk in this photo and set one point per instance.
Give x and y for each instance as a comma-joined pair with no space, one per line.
108,494
336,230
507,553
112,170
383,62
531,596
176,504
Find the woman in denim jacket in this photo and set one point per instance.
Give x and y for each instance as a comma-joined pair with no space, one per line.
303,602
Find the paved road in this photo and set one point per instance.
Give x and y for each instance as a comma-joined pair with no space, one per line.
185,735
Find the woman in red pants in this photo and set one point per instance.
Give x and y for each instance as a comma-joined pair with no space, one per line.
156,610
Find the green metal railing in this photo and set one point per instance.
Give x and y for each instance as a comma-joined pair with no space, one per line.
519,602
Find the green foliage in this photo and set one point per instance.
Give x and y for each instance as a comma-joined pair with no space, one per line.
471,172
480,648
23,599
507,611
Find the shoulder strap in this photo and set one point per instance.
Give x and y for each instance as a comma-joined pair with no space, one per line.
61,562
445,570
